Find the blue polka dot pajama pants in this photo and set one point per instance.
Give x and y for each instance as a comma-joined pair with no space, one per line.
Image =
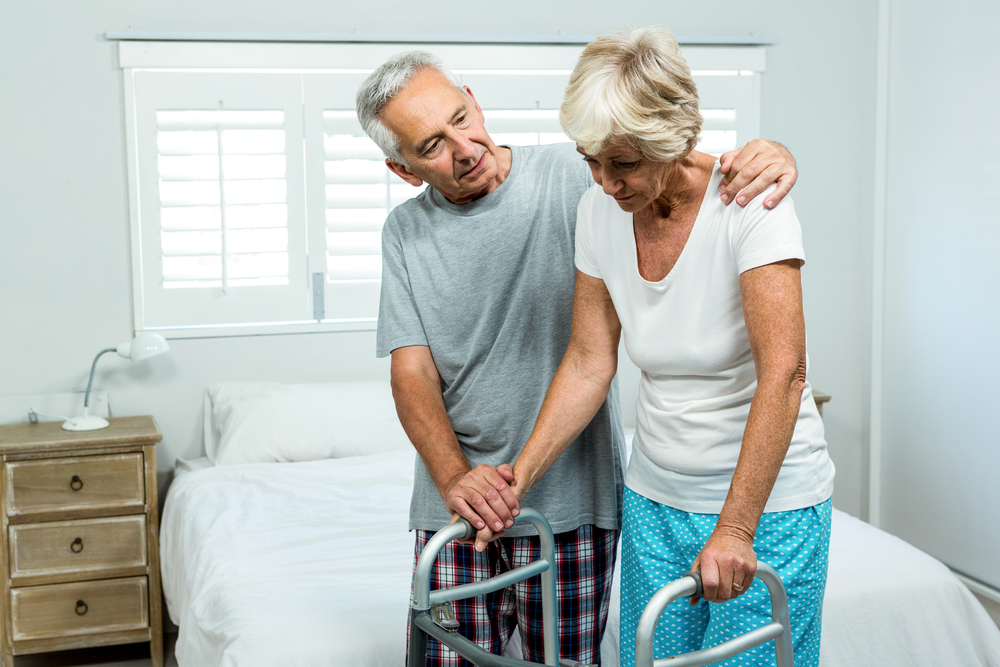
659,545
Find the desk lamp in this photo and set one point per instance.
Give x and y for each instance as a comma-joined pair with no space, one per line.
143,346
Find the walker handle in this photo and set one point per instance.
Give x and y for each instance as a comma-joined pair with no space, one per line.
690,585
423,598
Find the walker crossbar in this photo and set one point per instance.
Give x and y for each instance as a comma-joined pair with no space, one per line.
690,585
422,601
504,580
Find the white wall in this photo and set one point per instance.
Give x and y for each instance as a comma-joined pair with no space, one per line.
941,449
64,245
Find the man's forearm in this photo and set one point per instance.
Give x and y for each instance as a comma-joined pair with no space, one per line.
421,411
482,495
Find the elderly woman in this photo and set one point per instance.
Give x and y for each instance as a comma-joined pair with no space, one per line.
729,463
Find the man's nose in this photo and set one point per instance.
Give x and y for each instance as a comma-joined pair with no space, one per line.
462,148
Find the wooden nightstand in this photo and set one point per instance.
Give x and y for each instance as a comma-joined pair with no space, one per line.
80,562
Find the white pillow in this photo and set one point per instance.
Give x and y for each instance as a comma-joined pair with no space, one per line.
258,422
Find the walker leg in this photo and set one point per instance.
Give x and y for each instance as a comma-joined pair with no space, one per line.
418,646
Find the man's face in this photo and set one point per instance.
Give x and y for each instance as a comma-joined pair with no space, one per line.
442,138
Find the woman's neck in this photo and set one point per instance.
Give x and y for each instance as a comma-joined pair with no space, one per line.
684,184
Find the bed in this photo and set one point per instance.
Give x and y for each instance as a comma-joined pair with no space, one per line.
308,563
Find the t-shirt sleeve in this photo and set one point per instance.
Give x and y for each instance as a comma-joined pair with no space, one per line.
763,236
584,258
399,323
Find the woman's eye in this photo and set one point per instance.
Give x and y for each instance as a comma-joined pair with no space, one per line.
626,165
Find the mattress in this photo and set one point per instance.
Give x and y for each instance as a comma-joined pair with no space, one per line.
308,564
289,563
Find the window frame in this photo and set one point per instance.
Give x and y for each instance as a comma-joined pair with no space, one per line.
330,58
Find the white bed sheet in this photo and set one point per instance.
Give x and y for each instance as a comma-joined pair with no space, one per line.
303,564
309,564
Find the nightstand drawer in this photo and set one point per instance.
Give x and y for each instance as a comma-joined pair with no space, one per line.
75,546
74,483
62,610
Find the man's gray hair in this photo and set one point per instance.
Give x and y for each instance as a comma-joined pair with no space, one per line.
383,85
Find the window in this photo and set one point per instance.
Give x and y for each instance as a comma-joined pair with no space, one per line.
257,202
223,211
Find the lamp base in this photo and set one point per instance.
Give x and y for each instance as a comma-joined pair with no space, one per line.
85,424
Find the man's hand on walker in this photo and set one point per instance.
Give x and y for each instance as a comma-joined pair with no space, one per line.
483,496
753,168
728,565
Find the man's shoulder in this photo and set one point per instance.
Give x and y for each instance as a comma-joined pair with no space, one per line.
410,211
555,168
552,155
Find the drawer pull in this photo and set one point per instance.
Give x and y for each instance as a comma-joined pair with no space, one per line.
81,607
77,546
76,483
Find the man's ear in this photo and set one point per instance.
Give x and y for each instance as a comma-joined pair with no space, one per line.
404,173
475,102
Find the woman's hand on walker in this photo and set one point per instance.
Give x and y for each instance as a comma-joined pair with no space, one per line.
728,565
483,496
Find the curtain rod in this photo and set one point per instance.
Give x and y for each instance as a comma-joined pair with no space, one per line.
396,38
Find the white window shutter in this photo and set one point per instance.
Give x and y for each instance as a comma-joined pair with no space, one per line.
221,194
358,192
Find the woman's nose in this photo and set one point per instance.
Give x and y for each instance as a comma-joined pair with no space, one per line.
610,185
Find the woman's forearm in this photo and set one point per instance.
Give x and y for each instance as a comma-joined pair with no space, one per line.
772,310
579,386
770,425
577,391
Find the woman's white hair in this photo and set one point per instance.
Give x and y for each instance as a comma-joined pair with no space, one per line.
633,86
383,85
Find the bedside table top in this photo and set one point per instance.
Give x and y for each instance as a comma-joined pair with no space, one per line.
49,436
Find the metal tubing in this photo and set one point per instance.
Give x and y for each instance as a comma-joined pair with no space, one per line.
726,650
421,598
485,586
779,629
646,629
93,367
417,654
550,627
469,650
779,613
460,530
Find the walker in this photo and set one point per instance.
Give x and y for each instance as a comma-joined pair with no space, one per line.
431,612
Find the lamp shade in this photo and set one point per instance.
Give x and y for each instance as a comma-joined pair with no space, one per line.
143,346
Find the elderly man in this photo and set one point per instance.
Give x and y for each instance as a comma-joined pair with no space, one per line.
476,305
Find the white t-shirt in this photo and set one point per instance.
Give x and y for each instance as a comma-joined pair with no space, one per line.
687,335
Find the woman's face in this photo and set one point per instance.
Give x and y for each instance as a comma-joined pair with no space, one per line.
626,175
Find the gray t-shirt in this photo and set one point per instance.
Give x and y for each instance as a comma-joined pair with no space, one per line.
488,286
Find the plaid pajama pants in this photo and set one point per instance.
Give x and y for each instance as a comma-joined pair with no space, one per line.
585,564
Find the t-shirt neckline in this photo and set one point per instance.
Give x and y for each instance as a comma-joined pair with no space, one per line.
486,202
667,279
